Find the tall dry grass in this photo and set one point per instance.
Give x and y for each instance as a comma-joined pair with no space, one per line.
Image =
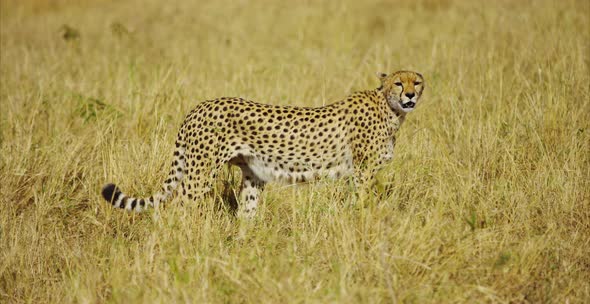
490,198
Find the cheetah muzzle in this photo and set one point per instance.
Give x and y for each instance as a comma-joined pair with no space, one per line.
355,136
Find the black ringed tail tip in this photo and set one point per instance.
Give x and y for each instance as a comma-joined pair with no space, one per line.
111,193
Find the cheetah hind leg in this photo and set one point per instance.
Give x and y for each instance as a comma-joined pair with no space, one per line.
249,193
196,187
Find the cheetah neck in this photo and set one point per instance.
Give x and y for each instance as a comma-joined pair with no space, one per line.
383,99
395,116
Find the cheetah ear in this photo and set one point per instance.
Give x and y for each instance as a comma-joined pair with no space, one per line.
381,75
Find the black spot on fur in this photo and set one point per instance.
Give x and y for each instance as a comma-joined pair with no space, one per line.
123,202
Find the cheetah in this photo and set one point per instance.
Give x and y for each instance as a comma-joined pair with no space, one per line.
353,137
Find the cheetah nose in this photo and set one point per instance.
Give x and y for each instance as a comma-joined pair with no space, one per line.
410,95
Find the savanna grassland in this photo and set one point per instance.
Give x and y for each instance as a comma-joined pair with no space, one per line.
486,200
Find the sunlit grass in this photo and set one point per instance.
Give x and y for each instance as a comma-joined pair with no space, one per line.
488,197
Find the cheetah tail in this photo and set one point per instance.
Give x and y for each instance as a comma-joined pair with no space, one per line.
113,194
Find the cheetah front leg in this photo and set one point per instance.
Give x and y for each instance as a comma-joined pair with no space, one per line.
250,192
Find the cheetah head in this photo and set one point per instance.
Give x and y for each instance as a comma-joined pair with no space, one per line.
402,89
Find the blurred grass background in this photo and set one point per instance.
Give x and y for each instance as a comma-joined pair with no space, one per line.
490,184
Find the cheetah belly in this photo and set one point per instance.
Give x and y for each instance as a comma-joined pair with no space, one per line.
273,172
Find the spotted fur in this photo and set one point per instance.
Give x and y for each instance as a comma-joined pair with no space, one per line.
355,136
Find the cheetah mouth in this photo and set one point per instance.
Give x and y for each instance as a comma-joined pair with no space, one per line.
408,105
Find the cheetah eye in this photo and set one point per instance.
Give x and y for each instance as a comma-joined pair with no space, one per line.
417,83
399,84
